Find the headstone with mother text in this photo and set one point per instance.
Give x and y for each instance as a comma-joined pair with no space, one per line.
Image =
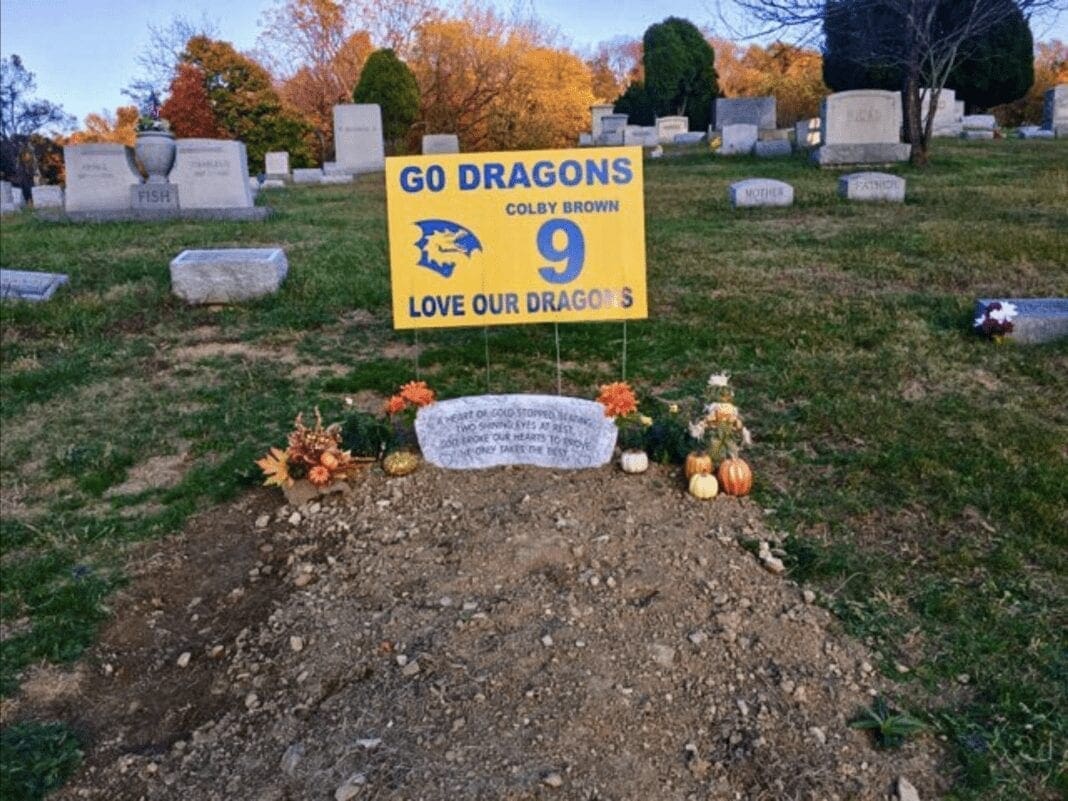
758,192
358,140
494,430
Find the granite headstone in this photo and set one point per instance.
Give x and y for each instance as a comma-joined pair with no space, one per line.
1055,110
99,177
440,143
48,196
211,174
738,140
667,128
758,111
872,186
358,138
861,127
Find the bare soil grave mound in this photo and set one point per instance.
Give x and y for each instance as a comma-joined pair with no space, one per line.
503,634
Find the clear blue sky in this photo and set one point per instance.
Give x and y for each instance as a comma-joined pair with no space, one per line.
83,51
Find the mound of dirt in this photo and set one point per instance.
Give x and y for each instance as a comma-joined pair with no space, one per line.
503,634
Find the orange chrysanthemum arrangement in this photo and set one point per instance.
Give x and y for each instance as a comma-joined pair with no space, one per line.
313,454
402,407
621,404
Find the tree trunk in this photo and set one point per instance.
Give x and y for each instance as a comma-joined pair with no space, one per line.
914,115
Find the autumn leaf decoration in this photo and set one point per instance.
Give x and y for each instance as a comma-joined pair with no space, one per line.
275,465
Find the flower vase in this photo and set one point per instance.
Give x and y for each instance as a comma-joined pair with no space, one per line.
155,152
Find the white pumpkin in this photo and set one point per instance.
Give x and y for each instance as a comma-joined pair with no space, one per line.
634,461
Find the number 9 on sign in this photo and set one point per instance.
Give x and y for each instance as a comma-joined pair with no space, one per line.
572,254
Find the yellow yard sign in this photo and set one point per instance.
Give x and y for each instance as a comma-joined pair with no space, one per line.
522,237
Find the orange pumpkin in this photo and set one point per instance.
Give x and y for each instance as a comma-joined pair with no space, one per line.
698,463
735,477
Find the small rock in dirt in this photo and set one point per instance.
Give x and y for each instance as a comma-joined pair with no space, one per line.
351,788
663,655
304,579
698,637
905,790
294,519
410,669
252,701
263,521
818,734
547,641
370,743
216,651
291,757
183,660
296,644
773,564
553,780
964,678
743,707
809,596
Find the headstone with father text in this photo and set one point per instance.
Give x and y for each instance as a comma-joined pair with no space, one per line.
494,430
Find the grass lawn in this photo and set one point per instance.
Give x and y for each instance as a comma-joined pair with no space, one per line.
920,471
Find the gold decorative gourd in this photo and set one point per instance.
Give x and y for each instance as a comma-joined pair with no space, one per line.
704,486
698,463
400,463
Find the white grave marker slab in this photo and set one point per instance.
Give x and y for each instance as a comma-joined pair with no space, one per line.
358,138
49,197
440,143
29,285
277,163
756,192
227,276
494,430
99,177
212,174
872,186
667,128
738,140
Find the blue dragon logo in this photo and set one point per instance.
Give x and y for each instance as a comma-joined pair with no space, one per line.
441,239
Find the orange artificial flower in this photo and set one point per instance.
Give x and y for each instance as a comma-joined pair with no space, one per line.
418,393
329,460
395,405
319,476
618,399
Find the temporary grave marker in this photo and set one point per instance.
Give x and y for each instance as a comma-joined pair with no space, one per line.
521,237
493,430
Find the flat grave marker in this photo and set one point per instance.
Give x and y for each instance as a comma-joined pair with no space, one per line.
228,275
1037,320
872,186
30,285
758,192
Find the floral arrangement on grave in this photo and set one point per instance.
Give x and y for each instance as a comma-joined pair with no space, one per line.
621,405
721,431
313,463
401,410
996,320
155,146
150,120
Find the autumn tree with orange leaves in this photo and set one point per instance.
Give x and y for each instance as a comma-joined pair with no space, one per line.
118,128
792,75
188,107
311,46
1051,68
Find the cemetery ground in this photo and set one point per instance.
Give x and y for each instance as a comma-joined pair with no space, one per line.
586,635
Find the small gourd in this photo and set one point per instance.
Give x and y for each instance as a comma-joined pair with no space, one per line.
400,463
698,463
634,461
704,486
735,477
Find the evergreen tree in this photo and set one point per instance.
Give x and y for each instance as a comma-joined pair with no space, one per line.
389,82
998,67
680,76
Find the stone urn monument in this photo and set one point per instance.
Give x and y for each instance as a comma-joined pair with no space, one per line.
155,151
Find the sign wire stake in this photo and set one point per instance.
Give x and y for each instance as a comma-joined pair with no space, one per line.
624,350
417,354
559,381
485,340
